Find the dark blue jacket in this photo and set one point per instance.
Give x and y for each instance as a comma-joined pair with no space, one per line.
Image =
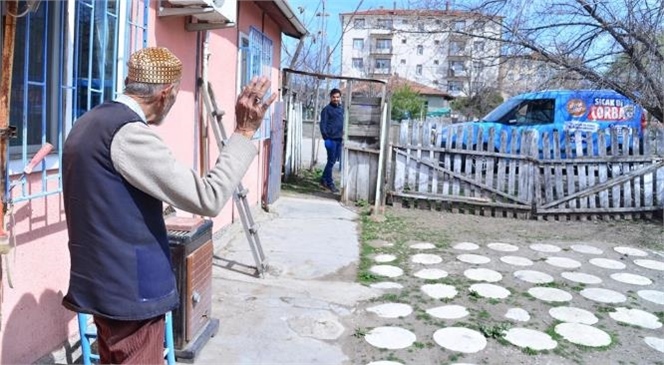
332,122
120,259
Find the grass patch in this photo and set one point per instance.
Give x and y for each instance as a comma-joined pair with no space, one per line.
603,309
484,314
307,182
418,345
393,357
578,287
529,351
454,358
551,331
423,316
389,297
527,295
396,230
496,331
360,332
553,284
660,315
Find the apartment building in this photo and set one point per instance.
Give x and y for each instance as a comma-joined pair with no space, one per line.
437,48
530,72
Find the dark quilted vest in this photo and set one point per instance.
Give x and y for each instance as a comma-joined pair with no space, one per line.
120,260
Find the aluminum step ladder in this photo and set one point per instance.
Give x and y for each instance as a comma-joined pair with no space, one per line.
240,193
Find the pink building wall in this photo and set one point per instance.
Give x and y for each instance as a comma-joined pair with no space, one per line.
34,323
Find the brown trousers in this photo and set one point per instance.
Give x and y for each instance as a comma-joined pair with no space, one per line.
130,342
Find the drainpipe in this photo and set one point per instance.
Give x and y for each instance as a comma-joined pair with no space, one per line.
5,130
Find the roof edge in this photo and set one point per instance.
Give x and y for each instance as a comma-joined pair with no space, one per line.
292,18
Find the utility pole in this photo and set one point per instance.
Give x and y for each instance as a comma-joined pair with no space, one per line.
320,69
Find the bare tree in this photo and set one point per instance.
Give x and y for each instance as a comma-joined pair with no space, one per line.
615,44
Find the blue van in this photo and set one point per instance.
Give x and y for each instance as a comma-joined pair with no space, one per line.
587,111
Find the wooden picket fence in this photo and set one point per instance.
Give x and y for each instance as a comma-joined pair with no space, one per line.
526,174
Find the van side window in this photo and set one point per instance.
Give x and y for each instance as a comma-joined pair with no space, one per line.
531,112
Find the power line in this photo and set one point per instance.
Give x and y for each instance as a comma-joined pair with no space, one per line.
343,31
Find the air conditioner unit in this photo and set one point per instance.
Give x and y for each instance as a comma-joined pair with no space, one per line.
208,14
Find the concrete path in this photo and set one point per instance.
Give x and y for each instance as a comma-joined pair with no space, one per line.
295,313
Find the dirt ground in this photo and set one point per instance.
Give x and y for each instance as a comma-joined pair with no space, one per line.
404,227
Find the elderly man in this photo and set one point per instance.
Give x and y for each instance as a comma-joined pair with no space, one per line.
117,173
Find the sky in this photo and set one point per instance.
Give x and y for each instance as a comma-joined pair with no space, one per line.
333,27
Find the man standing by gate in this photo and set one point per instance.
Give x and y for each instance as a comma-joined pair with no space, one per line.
332,131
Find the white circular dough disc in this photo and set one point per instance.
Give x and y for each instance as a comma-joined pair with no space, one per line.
384,258
517,314
505,247
544,247
516,261
524,337
532,276
581,277
573,315
482,274
386,270
490,291
633,279
607,263
431,274
390,338
650,264
654,296
636,317
564,262
460,339
386,285
583,334
391,310
448,312
550,294
423,246
655,343
426,259
587,249
630,251
466,246
474,259
603,295
439,291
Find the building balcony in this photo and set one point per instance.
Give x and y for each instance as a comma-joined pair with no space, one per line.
381,32
452,73
382,50
458,55
382,71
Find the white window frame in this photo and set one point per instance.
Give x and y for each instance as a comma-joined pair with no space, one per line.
359,41
361,65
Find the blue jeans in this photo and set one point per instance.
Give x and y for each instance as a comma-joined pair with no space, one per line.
333,155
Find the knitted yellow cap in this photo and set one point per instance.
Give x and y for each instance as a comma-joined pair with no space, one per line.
154,65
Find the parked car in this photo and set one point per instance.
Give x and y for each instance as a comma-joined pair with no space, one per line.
584,111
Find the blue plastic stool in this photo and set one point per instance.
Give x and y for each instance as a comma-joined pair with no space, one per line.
88,332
